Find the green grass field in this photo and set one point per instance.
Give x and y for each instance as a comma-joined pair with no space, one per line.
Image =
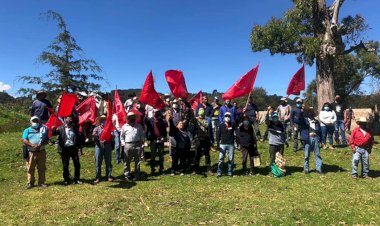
297,199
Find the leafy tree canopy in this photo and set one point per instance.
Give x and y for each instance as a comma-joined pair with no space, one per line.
71,71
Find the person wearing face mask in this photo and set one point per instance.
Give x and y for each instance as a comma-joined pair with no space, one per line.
297,122
284,110
103,150
156,130
248,145
361,142
70,145
208,113
311,136
202,129
132,138
276,133
35,138
339,109
180,145
327,117
225,140
227,107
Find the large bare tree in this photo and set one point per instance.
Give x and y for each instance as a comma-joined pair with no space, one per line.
313,32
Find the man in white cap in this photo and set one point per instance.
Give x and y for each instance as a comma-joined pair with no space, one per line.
35,138
283,111
132,138
225,139
361,142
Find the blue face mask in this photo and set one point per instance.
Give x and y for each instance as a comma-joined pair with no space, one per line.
299,105
35,125
326,108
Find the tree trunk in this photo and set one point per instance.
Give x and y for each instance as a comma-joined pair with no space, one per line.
325,79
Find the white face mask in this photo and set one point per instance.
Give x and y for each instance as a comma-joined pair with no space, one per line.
227,119
35,125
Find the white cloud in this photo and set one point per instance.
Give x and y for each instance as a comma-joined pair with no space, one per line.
4,87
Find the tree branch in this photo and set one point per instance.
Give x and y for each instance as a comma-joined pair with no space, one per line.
334,8
353,48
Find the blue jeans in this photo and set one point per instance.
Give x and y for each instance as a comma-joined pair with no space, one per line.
223,149
313,145
105,153
116,136
339,125
360,154
327,130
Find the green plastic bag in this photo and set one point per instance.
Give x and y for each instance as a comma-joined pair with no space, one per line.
276,172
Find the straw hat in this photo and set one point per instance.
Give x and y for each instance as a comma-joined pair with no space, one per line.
362,119
130,114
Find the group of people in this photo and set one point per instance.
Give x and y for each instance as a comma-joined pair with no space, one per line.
222,126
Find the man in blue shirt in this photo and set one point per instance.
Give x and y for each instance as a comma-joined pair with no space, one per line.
35,138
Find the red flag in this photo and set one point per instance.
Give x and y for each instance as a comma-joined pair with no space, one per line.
149,95
297,83
196,100
177,83
67,104
87,110
118,109
108,127
243,86
53,121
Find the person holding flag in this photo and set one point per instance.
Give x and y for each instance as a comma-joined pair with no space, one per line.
70,146
103,150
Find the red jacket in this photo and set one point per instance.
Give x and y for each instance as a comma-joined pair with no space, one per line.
358,139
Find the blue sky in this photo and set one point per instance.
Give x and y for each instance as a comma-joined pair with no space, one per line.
207,39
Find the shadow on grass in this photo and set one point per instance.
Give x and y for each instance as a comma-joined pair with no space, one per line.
124,184
332,168
374,173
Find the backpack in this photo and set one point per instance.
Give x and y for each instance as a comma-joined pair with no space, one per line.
276,172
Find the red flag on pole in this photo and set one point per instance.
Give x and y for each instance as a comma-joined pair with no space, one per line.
149,95
108,127
196,100
52,122
243,86
118,109
177,83
87,110
66,105
297,83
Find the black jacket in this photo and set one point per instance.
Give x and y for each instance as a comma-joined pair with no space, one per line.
225,135
60,131
246,137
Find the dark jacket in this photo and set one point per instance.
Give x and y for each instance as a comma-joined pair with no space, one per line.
150,129
179,138
225,135
246,137
60,131
306,130
297,117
